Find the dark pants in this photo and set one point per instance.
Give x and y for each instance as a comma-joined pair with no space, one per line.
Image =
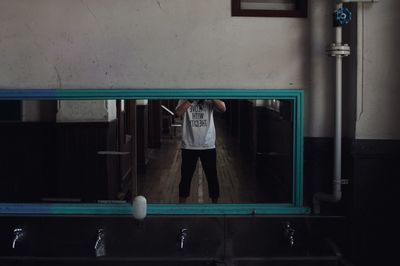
208,160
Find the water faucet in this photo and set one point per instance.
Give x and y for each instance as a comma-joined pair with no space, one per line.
99,246
18,235
182,237
289,233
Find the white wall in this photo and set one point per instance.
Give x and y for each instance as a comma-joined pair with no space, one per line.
319,96
197,44
86,111
146,44
378,101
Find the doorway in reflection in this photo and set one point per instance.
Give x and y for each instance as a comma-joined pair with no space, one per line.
101,151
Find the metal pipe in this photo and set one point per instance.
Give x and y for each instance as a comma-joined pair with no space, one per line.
336,195
337,175
337,178
338,35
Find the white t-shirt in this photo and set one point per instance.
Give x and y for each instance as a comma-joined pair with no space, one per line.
198,129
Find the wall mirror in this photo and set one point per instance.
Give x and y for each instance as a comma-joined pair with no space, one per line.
92,151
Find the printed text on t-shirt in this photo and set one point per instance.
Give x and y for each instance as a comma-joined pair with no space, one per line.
197,116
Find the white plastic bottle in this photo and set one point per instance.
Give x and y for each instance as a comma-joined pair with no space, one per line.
139,207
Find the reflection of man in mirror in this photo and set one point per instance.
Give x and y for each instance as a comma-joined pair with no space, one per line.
198,141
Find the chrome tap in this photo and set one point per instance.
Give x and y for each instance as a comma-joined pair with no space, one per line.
18,235
99,246
289,233
182,237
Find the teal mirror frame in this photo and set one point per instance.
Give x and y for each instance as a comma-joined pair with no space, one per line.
294,208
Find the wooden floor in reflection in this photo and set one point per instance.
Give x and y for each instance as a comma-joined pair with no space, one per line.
238,183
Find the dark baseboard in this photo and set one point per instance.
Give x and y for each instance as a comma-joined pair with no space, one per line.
315,147
372,167
376,148
367,164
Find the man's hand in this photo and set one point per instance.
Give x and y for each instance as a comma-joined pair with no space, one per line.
220,105
182,107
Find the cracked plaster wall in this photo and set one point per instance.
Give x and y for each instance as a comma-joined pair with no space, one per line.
197,44
146,44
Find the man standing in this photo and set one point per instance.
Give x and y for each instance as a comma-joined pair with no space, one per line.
198,141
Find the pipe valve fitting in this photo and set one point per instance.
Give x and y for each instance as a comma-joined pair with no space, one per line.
336,49
341,17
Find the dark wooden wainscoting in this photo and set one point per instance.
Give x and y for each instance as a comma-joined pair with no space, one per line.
274,154
82,172
27,161
59,160
265,137
142,137
154,124
247,129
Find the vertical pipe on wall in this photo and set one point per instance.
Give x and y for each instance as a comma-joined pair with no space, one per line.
337,175
339,50
336,193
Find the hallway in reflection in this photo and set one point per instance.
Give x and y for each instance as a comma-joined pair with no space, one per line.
237,174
